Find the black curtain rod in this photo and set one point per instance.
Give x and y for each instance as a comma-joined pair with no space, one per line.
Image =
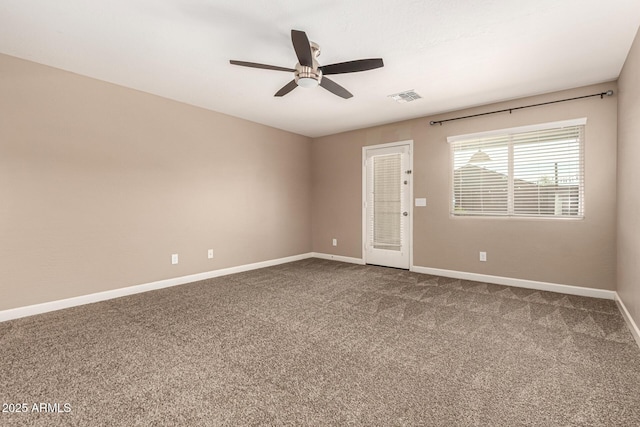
601,95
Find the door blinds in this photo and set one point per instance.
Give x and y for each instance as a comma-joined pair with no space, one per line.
387,202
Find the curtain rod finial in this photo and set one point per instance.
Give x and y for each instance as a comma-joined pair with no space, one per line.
609,93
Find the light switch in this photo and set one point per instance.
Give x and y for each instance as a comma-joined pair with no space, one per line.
421,201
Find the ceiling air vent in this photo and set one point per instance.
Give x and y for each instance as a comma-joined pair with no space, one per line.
406,96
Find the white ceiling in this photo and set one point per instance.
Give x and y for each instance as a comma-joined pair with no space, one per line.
455,53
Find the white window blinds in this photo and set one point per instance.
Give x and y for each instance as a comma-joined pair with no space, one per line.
387,202
532,171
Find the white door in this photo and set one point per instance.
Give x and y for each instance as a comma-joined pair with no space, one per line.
387,202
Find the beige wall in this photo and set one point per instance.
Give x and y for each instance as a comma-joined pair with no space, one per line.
569,252
100,184
629,182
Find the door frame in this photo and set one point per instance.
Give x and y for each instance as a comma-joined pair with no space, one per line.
363,201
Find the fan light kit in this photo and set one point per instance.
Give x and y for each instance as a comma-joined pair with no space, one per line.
308,73
307,82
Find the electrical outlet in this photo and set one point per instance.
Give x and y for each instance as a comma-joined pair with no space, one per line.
335,242
174,258
210,253
483,256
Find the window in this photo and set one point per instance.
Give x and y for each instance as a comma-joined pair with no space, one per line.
532,171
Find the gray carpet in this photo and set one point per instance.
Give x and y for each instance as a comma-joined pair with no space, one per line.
321,343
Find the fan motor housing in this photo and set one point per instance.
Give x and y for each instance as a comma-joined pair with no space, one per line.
303,72
306,73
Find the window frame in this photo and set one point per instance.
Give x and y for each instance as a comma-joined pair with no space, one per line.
511,196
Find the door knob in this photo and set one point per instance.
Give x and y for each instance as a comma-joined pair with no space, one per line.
405,213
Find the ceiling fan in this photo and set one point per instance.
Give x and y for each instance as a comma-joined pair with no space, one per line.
308,73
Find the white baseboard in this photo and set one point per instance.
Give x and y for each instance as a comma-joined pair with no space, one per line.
630,322
338,258
31,310
520,283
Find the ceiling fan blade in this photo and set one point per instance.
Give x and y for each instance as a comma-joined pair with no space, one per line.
352,66
287,88
302,47
263,66
335,88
